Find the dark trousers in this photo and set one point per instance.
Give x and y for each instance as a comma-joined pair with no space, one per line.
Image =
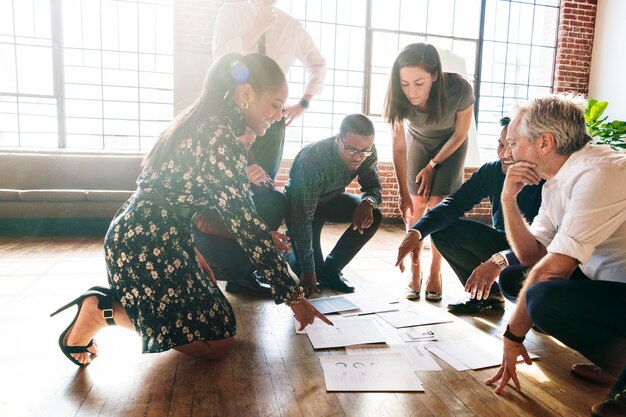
512,280
268,149
338,210
228,261
587,315
465,244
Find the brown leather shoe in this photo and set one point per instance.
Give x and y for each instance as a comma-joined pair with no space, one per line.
613,407
592,373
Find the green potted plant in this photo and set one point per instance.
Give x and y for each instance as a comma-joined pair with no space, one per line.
612,133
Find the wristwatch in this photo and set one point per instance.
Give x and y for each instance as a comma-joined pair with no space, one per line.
434,165
512,337
369,200
499,260
304,103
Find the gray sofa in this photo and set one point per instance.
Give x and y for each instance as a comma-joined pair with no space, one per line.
61,186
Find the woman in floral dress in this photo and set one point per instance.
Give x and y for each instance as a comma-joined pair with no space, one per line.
158,287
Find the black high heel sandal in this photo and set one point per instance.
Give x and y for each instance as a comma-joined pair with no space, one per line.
105,303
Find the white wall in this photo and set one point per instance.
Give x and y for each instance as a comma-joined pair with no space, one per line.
607,81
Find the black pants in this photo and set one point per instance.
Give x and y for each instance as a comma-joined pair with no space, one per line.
268,149
465,244
587,315
228,261
337,210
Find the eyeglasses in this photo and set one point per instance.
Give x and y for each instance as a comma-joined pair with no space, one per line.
354,151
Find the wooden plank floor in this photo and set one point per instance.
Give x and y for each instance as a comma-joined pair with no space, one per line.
270,372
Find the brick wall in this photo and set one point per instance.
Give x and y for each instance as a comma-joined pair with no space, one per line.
574,46
194,21
389,206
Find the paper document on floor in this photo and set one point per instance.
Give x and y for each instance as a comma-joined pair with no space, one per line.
345,332
370,305
409,318
369,373
335,304
418,335
415,354
470,354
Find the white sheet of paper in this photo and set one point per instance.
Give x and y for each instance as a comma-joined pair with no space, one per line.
418,335
378,372
345,332
470,354
409,318
334,304
370,305
415,354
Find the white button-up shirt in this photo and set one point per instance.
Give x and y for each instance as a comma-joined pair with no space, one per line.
583,212
286,41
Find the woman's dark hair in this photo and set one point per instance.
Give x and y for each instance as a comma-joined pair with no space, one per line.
397,106
223,77
504,122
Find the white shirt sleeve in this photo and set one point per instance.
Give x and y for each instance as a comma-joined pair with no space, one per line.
597,207
542,227
226,34
312,60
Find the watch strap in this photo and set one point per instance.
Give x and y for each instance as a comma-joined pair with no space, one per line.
512,337
304,103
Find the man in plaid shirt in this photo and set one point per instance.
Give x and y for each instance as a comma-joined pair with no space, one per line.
316,193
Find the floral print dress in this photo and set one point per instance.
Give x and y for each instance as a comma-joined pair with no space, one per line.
149,251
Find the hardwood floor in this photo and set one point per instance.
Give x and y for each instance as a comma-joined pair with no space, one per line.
270,372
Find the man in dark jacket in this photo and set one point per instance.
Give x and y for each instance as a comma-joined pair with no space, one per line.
475,251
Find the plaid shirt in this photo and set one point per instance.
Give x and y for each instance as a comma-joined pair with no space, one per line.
317,175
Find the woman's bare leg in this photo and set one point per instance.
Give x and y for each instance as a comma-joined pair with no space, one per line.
434,279
419,208
90,320
207,349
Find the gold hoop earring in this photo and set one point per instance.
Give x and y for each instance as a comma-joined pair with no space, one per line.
245,105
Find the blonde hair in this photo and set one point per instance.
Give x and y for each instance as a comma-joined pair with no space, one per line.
559,114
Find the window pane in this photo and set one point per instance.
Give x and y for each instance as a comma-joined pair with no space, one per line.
467,18
542,64
137,52
34,70
518,64
8,77
6,18
413,15
545,25
385,14
8,122
439,18
385,48
351,12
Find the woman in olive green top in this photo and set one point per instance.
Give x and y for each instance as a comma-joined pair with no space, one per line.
430,113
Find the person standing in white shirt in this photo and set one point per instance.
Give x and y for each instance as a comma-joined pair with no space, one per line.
247,27
575,289
258,26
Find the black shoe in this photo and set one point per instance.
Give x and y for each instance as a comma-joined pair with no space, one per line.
105,304
249,285
335,282
477,306
612,407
